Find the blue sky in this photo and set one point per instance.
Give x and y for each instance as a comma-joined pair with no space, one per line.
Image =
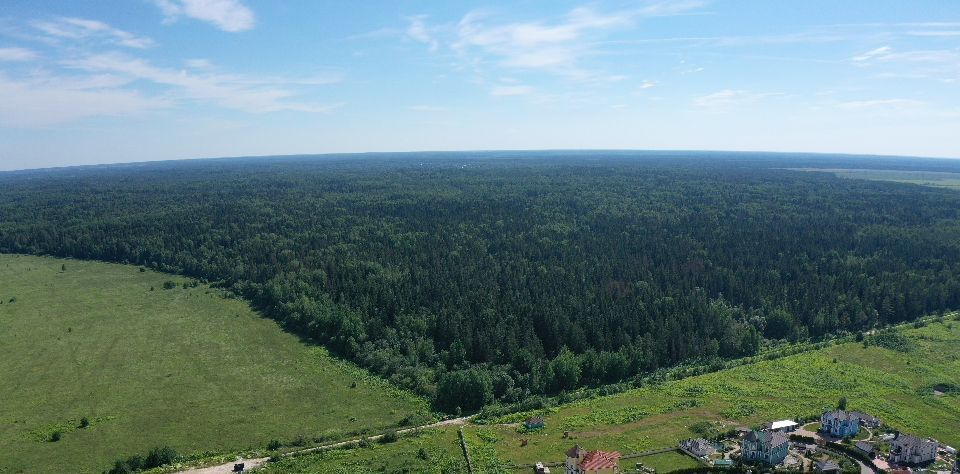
135,80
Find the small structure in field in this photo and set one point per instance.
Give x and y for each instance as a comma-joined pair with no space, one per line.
765,447
907,449
839,423
579,461
699,448
534,423
783,426
541,469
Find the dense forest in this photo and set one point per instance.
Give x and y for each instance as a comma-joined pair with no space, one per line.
475,277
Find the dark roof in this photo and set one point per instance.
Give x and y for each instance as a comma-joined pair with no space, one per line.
843,415
576,452
767,438
828,465
865,446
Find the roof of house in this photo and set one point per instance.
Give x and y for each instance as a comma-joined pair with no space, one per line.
865,417
595,460
771,439
828,465
865,446
776,425
842,415
906,441
576,452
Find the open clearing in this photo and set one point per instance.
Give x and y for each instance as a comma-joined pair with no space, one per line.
937,179
183,367
896,386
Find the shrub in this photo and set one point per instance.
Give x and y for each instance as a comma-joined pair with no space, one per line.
422,453
84,422
273,445
389,437
159,456
169,285
55,436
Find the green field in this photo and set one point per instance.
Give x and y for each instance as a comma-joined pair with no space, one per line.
441,454
924,178
896,386
184,367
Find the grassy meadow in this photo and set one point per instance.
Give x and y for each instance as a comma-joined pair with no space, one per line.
429,451
896,386
923,178
148,366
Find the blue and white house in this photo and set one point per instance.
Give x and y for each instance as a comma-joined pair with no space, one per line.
839,423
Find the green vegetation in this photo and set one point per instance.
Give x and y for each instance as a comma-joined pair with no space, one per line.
664,462
893,385
476,277
91,355
429,451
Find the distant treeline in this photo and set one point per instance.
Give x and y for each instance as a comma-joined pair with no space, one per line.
469,279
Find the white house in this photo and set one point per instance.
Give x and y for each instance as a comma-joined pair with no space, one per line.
906,449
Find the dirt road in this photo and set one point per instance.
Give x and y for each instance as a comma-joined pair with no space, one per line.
251,464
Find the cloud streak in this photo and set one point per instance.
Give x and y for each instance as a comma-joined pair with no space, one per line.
69,28
17,54
233,92
227,15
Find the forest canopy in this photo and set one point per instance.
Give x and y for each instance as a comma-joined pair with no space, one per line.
478,277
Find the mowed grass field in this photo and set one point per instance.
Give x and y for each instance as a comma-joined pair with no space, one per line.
896,386
187,368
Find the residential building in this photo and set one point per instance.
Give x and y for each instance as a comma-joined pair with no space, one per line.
579,461
766,447
866,420
839,423
867,448
699,447
907,449
829,465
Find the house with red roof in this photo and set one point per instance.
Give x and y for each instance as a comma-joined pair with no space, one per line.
580,461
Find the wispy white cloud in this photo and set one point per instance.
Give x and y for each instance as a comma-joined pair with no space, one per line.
227,15
647,85
873,53
17,54
550,45
880,103
730,97
248,94
68,28
418,32
504,91
43,101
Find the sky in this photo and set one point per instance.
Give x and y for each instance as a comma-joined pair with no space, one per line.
111,81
